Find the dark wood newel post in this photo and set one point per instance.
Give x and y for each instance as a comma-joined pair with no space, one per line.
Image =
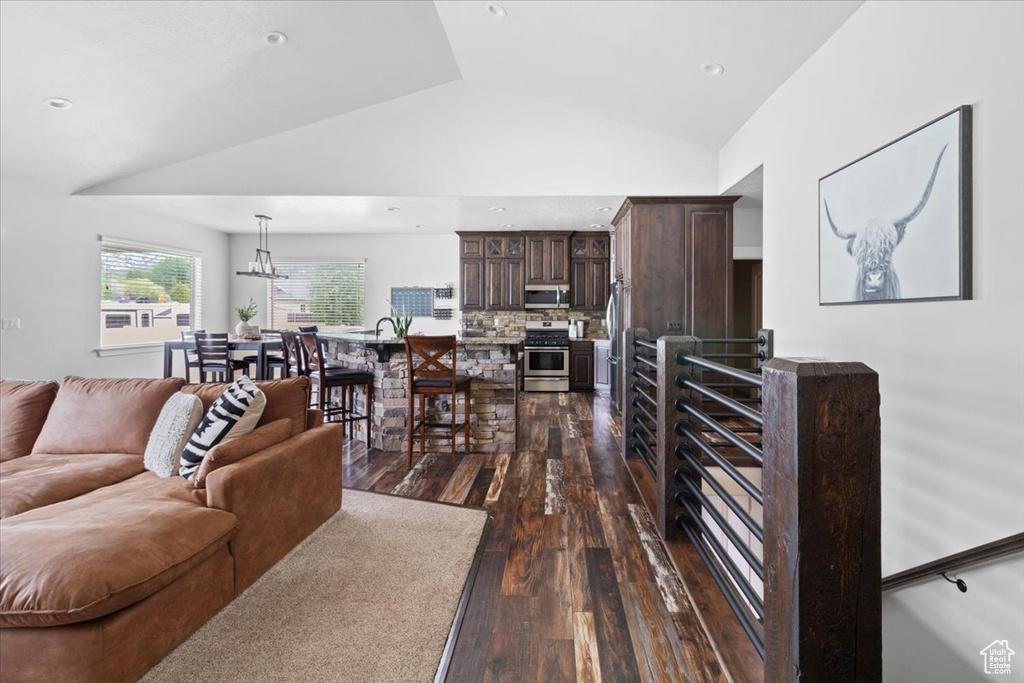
822,555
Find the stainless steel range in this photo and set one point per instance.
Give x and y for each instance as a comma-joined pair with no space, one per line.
546,362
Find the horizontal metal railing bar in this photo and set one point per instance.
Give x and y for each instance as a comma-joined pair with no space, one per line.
723,431
651,434
748,555
638,390
743,615
646,413
726,497
721,399
726,466
643,343
645,361
752,356
682,357
730,565
727,385
640,374
738,430
759,340
646,454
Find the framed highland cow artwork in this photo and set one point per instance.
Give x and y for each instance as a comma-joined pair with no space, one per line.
895,225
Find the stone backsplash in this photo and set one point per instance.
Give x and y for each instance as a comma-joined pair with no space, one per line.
513,323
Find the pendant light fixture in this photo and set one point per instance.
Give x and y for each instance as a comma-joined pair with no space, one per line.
263,266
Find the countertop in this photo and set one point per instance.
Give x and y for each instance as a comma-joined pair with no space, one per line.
363,338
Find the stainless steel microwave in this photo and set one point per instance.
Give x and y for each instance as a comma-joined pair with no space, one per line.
546,296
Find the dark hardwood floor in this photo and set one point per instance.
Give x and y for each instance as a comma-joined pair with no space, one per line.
573,584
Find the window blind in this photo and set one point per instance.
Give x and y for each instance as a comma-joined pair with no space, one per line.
328,294
147,294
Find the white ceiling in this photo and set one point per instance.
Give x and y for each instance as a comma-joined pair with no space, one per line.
371,215
181,109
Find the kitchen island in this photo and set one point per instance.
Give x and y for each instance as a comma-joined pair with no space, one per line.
490,361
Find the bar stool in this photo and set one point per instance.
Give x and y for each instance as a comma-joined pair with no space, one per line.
327,377
433,377
215,358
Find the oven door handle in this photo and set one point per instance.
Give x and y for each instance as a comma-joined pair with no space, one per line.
546,348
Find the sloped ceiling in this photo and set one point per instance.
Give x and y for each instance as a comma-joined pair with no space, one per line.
181,109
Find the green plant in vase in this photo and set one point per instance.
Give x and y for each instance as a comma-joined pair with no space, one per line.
245,314
402,323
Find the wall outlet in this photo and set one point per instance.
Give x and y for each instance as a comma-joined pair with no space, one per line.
674,325
12,323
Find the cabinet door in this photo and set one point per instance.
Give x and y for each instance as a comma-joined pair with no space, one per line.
514,246
578,286
494,269
513,284
602,368
598,282
472,284
536,260
599,246
471,247
557,265
580,246
581,365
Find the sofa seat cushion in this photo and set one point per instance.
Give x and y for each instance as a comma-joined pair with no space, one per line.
93,555
286,398
46,478
104,415
23,410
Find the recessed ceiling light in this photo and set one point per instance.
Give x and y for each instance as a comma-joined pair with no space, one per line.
417,226
596,225
712,69
508,225
393,208
497,208
604,208
275,38
496,10
59,103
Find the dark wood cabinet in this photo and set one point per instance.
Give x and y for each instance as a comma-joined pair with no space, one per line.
472,298
504,284
591,275
504,245
675,256
471,246
547,258
581,365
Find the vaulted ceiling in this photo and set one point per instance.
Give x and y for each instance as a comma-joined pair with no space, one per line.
442,109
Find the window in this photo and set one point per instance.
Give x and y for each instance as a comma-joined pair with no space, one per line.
328,294
147,294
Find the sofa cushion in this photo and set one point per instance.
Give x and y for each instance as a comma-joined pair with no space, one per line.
104,415
236,412
285,398
43,479
229,452
23,410
98,553
178,419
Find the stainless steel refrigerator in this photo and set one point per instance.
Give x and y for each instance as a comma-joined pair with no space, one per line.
615,335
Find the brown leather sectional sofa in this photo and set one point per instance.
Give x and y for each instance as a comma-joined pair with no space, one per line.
105,567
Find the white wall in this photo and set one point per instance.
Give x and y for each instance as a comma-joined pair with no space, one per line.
391,261
951,373
50,279
746,233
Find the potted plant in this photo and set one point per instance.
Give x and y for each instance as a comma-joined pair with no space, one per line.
245,314
400,322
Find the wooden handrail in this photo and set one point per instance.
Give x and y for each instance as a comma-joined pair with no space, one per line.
981,553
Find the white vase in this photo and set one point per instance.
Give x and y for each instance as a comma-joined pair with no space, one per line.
243,329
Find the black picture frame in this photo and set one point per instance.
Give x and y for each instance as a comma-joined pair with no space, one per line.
875,245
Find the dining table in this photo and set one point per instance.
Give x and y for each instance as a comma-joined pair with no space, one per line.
261,346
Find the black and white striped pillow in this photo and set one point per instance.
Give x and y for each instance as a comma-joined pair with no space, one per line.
224,414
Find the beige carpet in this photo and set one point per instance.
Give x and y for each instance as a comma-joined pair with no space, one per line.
370,596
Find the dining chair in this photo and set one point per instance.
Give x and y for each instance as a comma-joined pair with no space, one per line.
328,377
430,374
215,357
190,355
275,361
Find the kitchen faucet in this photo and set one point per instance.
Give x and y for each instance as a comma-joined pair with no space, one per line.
394,328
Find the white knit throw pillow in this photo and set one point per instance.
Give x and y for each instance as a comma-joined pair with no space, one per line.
178,419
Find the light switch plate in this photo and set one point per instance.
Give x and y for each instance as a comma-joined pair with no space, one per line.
674,325
12,323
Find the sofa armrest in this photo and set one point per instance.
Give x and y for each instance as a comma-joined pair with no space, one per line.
280,495
314,418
